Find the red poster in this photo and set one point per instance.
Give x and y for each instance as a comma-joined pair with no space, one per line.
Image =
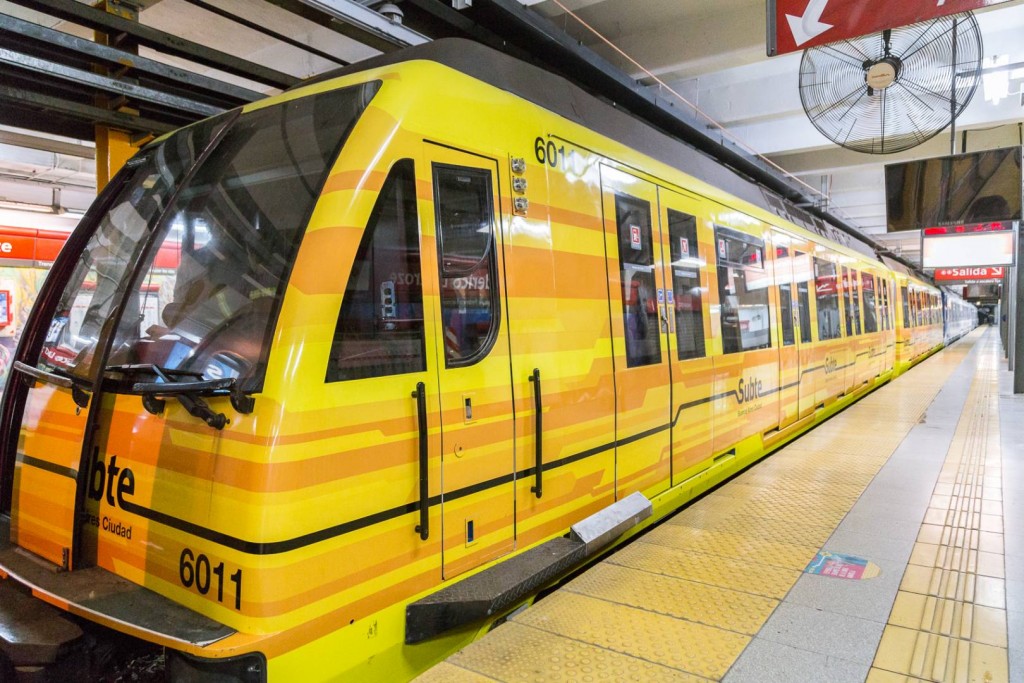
798,24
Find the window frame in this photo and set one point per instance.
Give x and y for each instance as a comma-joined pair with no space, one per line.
366,242
639,356
492,257
724,232
693,256
835,297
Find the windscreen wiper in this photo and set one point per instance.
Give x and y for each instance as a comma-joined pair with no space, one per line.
187,391
59,377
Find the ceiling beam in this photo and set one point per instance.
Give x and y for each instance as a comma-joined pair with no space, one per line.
252,25
18,30
104,22
105,83
76,110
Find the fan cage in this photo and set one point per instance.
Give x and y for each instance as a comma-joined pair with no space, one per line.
931,87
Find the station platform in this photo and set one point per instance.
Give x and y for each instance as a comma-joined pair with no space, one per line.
920,485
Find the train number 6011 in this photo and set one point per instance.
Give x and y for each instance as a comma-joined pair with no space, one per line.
196,570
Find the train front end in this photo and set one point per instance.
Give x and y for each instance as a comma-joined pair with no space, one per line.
136,431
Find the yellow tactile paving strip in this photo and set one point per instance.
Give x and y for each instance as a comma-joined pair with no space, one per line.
948,622
683,601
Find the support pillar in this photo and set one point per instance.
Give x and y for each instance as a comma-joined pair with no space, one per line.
115,147
1017,322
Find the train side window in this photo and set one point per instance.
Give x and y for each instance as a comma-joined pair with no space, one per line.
855,285
640,309
803,296
465,235
742,291
688,306
906,308
891,288
851,297
826,284
380,328
786,308
890,308
868,290
883,311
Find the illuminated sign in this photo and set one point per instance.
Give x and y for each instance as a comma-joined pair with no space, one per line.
969,276
965,246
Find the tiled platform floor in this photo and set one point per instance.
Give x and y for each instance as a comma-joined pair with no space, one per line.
924,478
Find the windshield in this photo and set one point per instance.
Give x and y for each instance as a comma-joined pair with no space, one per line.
203,243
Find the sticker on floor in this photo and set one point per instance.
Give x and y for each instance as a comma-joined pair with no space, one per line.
842,566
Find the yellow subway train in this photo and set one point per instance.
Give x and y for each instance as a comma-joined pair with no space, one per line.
323,387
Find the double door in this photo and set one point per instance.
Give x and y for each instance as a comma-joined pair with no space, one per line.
794,282
657,279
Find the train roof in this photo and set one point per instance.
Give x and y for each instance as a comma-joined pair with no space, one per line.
562,97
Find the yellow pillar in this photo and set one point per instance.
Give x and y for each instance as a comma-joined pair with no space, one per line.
114,147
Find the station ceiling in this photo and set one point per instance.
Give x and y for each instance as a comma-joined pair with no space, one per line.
197,56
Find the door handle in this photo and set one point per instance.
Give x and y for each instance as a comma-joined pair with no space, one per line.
423,528
538,421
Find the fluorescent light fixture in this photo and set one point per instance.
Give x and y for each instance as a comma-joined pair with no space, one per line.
25,206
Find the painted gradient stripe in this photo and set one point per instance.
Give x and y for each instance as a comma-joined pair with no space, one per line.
46,465
287,545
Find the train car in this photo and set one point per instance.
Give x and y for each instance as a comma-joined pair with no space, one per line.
921,320
323,387
958,316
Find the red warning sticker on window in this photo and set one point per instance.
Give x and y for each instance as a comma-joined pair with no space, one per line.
684,247
634,238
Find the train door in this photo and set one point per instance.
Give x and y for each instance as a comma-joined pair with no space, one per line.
746,384
49,473
472,349
639,333
790,327
686,296
54,472
803,286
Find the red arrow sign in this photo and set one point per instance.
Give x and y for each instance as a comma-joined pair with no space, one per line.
799,24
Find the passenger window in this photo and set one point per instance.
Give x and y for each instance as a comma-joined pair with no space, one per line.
870,322
827,288
803,302
906,308
855,286
852,302
639,290
380,328
689,309
883,303
465,237
786,307
802,269
742,291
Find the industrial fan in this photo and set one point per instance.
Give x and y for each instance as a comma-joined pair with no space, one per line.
887,92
